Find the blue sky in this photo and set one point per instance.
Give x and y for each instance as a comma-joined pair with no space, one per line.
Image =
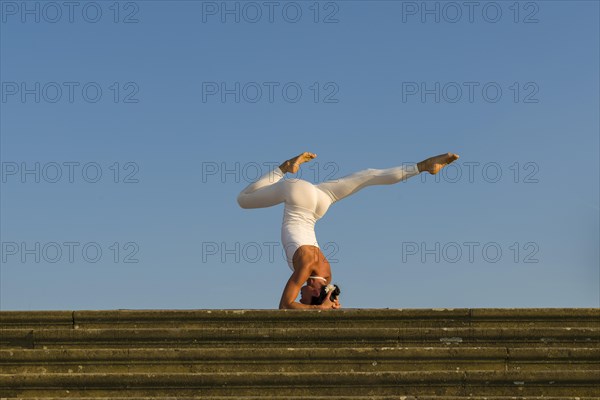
139,123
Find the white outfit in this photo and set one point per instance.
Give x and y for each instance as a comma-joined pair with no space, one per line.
306,203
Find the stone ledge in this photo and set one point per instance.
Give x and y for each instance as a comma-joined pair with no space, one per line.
83,316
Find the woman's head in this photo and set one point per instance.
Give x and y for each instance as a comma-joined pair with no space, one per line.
310,290
307,292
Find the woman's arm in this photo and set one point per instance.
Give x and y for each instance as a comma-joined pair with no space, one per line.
292,288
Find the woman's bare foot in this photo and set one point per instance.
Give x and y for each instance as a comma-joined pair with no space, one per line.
293,164
433,165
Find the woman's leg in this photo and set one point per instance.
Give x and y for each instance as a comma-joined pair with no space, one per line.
265,192
343,187
270,190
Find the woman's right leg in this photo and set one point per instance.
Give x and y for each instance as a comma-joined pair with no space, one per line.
268,191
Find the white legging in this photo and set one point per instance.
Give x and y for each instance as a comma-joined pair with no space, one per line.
271,190
305,202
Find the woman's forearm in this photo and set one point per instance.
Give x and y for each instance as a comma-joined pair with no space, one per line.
294,305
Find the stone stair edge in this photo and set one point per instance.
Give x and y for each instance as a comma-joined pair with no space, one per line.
262,378
251,353
341,397
75,316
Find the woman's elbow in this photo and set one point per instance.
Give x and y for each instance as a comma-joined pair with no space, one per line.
285,304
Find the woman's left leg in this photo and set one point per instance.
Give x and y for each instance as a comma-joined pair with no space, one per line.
350,184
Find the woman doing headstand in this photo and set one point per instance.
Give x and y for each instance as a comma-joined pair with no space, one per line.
305,203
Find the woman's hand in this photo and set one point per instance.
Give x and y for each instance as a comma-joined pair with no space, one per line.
328,304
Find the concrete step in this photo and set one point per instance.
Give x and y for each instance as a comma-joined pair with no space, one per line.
389,318
343,359
457,383
349,397
321,337
442,354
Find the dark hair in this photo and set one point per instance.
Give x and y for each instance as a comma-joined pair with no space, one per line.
318,300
